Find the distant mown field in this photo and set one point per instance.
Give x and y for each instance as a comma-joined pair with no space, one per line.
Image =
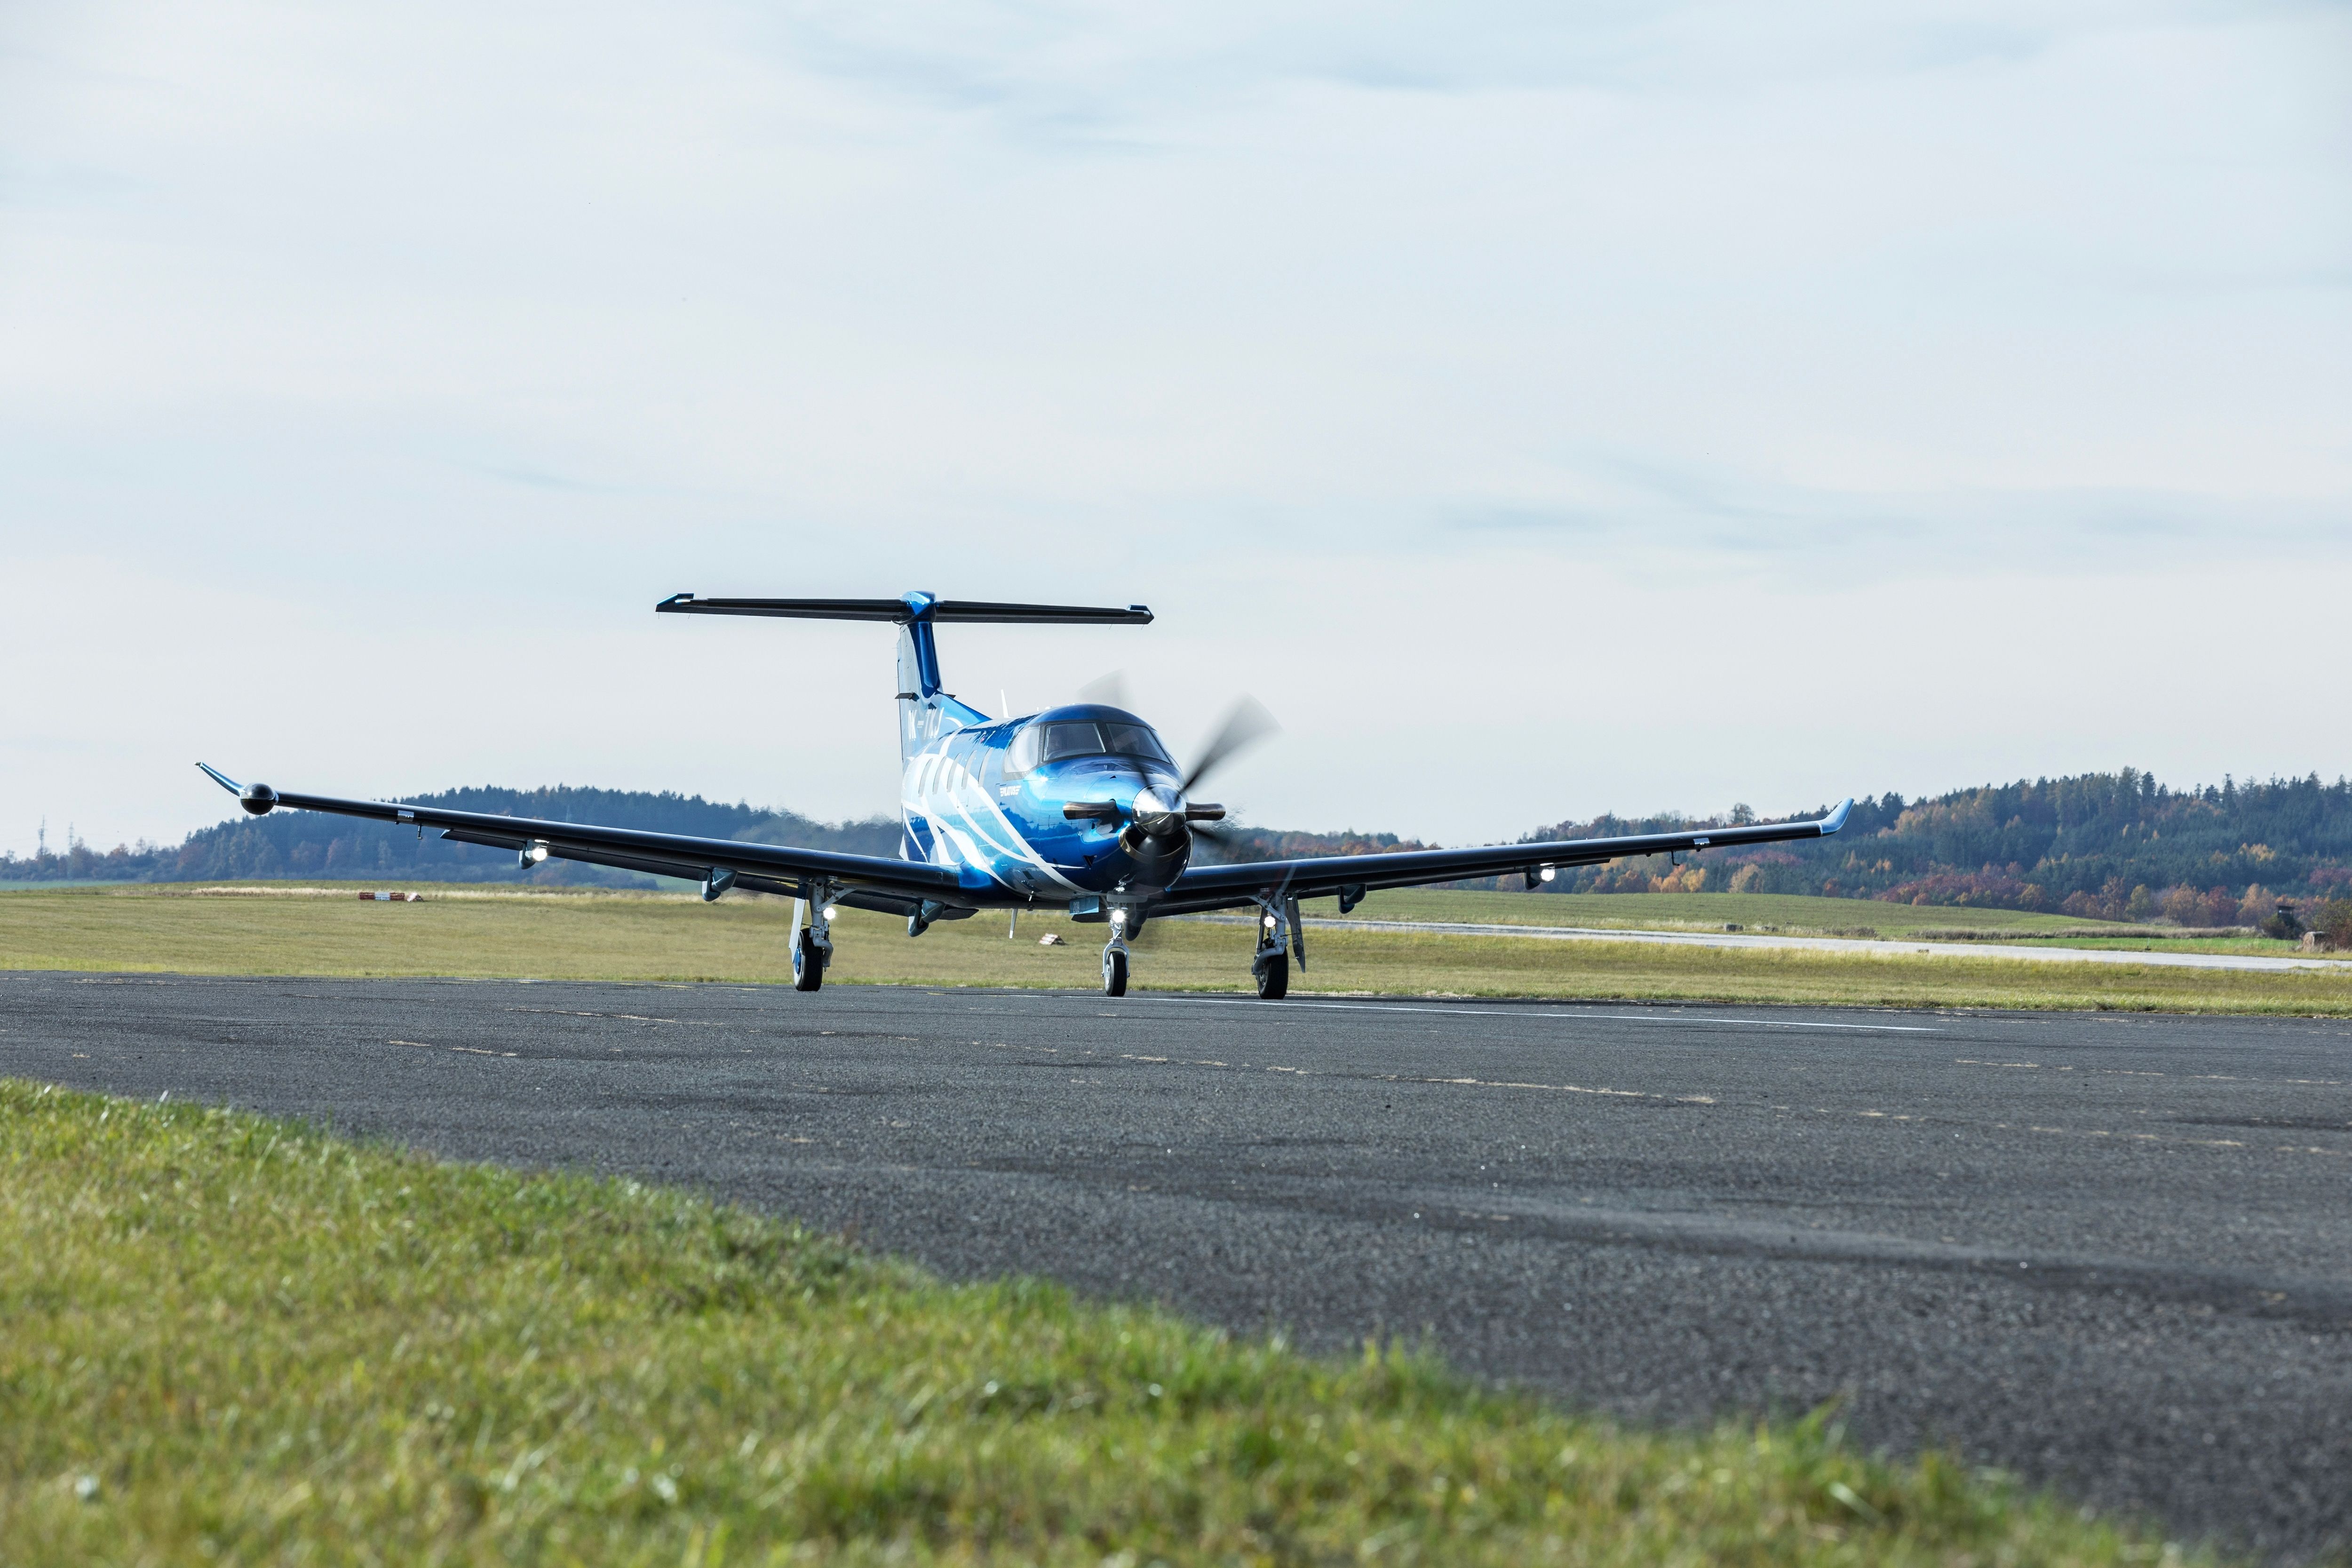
1795,914
472,933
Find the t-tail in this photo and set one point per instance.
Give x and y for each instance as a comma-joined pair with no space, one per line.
926,709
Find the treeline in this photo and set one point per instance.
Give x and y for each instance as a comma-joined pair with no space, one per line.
1241,845
2099,846
308,844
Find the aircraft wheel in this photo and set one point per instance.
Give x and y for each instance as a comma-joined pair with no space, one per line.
1272,973
1115,972
808,961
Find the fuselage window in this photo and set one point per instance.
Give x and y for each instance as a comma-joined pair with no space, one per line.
1133,740
1072,740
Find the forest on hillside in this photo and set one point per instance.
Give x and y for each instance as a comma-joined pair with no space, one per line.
2117,845
2101,845
308,844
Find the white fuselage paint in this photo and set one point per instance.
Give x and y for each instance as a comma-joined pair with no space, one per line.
968,827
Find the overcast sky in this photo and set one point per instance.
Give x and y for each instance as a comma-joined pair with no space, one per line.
1543,408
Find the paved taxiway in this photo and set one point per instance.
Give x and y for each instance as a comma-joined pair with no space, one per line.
2113,1252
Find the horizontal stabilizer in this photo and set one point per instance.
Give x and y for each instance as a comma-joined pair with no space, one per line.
913,608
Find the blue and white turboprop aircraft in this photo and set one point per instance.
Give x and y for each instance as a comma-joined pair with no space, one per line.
1079,809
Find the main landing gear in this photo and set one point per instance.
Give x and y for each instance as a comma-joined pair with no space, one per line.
812,943
1271,968
1270,965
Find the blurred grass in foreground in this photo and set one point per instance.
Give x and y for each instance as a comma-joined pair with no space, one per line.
470,932
233,1340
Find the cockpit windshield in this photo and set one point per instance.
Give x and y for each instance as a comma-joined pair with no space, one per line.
1133,740
1067,740
1081,738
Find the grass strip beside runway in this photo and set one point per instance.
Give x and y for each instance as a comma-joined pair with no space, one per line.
1795,914
233,1339
478,933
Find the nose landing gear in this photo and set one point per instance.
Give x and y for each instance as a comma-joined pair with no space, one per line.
1115,956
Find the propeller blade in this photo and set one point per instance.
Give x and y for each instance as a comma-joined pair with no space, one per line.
1222,837
1246,723
1109,689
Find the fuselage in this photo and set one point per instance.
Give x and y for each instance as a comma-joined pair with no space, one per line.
987,800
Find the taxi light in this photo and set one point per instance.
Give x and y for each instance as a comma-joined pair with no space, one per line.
1269,922
830,911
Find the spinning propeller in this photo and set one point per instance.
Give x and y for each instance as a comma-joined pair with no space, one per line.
1174,818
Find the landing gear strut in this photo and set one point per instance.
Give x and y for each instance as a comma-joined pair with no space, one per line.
812,943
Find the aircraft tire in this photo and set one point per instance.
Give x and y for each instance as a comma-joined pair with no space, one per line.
808,961
1272,973
1114,973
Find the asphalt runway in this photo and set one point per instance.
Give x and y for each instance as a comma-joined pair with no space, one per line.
2112,1252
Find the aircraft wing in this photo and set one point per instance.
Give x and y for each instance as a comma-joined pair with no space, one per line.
1223,887
861,881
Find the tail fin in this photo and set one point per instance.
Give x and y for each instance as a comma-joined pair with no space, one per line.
925,710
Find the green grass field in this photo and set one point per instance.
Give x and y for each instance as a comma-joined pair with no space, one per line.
232,1340
477,932
1704,912
1790,915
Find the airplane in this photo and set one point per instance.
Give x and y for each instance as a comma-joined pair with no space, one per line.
1079,808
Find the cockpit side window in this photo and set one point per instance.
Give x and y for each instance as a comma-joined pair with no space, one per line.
1134,741
1072,740
1022,755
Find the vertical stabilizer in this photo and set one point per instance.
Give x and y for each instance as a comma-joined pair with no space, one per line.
925,711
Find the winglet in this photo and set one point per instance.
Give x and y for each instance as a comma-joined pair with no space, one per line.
259,799
1836,819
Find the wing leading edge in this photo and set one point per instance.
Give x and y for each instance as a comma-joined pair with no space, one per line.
861,881
1223,887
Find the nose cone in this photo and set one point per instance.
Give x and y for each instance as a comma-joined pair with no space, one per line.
1160,811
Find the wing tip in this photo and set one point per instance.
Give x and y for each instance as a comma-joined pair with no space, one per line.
259,799
1836,819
